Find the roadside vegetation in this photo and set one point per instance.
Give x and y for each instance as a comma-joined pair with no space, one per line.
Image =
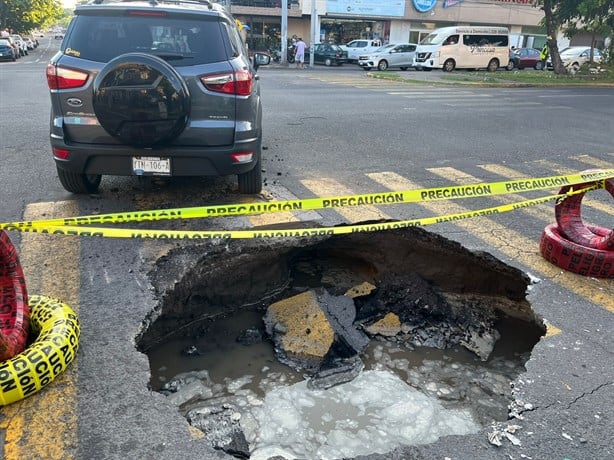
587,75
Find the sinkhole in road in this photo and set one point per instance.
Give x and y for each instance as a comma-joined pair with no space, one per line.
337,346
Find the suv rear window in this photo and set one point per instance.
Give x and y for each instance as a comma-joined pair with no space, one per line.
184,41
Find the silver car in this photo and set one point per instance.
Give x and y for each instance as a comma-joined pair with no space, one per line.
23,47
400,55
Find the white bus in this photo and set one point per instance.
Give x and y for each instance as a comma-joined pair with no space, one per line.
464,47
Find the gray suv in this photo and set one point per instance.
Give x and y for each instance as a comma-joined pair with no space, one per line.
155,88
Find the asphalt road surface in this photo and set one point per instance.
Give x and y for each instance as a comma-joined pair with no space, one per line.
328,131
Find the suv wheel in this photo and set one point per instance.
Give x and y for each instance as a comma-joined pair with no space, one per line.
250,183
79,183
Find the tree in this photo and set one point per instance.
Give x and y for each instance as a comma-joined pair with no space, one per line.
594,16
25,15
553,22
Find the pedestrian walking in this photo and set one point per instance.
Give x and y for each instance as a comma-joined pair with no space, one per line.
299,54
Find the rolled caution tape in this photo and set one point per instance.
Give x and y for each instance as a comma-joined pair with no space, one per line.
57,331
481,190
568,213
575,258
14,309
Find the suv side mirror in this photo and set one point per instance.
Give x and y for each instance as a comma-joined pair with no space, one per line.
261,59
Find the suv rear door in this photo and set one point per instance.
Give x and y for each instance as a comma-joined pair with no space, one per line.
196,46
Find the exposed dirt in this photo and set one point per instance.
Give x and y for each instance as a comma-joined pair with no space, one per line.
204,281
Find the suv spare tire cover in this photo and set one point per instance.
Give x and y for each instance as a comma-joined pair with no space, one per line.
141,99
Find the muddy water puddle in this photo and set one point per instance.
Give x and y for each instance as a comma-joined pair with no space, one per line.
455,376
338,347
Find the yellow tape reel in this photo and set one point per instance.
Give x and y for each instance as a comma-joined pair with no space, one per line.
57,328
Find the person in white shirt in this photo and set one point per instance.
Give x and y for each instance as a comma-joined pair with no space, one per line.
299,54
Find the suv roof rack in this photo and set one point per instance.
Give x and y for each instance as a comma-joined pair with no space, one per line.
155,2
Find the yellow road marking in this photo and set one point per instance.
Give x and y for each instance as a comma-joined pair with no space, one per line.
587,198
543,212
45,424
330,187
552,330
591,161
512,173
271,218
518,247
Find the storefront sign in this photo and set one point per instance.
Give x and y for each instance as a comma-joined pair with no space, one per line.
366,7
424,5
449,3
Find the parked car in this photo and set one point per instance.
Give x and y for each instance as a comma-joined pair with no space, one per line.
14,45
574,56
399,55
7,52
30,42
191,107
524,58
359,47
327,54
23,47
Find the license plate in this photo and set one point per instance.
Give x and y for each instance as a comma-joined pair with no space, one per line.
151,166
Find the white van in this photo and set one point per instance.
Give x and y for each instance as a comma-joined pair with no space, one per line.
464,47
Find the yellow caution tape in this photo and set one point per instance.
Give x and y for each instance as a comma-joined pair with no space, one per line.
402,197
56,328
76,230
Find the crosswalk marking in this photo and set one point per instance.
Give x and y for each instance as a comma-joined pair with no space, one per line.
452,96
542,212
512,173
261,220
592,161
517,247
456,97
489,105
330,187
587,200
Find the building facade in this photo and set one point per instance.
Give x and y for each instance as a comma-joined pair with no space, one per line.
339,21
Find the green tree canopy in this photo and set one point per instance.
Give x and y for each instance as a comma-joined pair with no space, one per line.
25,15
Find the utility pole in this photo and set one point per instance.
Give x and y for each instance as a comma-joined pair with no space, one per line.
284,32
314,32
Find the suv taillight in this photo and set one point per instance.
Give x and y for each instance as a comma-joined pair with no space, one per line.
63,78
237,83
